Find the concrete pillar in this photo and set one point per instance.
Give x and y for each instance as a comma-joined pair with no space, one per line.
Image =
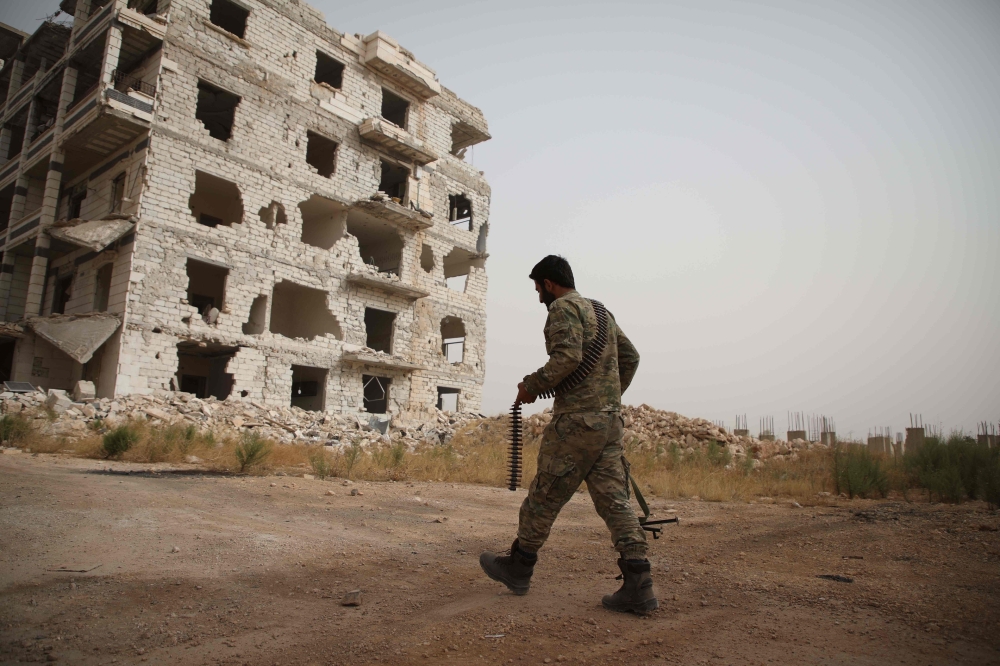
81,15
6,273
40,264
16,73
5,134
20,199
29,126
36,281
65,97
796,434
828,438
112,51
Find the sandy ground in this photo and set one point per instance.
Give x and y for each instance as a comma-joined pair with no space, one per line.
201,569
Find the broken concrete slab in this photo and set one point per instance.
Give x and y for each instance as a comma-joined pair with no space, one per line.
93,234
77,335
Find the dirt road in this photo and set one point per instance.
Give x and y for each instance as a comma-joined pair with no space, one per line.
201,569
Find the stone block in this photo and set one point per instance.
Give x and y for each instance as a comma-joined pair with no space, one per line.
84,390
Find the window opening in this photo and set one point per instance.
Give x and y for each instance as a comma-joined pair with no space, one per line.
448,399
393,181
6,204
460,211
88,70
309,388
206,288
301,312
201,369
257,319
45,105
457,265
63,292
453,339
273,215
6,360
394,108
378,328
76,199
215,201
102,287
329,71
117,192
230,17
147,7
15,140
379,243
216,109
321,153
376,394
324,221
427,258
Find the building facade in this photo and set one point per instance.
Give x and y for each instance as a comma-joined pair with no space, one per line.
231,198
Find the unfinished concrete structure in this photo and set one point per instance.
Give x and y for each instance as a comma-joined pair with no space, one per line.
245,202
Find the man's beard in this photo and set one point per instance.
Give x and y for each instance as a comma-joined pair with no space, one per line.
547,296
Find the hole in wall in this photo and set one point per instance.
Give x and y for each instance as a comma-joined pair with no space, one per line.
216,109
215,201
378,329
298,311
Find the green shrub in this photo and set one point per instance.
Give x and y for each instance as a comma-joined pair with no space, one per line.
718,454
858,472
351,456
252,450
14,428
952,469
320,463
119,440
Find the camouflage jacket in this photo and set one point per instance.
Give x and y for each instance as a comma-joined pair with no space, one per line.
570,327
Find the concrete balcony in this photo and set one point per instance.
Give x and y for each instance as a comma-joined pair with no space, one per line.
376,359
395,140
102,123
386,284
383,54
395,214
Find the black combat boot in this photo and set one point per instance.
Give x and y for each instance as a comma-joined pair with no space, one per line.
636,593
512,570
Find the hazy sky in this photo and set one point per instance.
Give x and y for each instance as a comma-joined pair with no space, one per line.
787,206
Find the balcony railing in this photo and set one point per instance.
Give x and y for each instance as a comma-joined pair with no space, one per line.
125,82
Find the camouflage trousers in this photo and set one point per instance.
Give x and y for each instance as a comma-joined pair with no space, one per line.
578,447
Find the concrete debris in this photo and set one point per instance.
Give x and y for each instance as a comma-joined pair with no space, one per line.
234,416
645,427
77,335
58,401
650,428
84,390
93,234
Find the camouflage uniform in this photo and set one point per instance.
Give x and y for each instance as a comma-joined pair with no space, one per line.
584,440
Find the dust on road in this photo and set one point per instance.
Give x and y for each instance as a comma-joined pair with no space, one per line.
189,568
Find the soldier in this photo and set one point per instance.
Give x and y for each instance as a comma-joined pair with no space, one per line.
582,443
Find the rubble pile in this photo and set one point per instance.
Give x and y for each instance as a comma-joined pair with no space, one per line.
74,418
649,428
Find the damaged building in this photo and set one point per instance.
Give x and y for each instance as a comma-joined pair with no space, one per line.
232,199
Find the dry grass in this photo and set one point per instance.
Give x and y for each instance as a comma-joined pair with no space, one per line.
476,454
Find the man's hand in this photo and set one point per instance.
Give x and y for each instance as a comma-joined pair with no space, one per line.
523,397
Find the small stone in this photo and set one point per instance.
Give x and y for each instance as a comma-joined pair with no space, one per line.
355,492
194,460
175,549
308,476
274,485
352,598
329,492
237,421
